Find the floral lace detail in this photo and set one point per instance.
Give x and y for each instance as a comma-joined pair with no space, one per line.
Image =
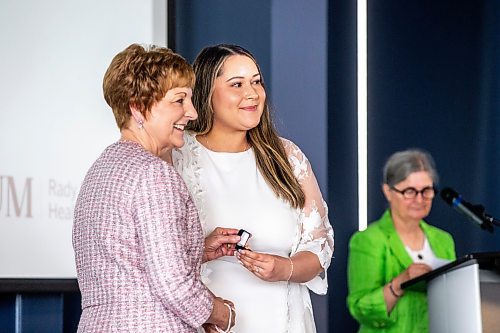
316,235
185,161
187,165
297,159
318,231
314,232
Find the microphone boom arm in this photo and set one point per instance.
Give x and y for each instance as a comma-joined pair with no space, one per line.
488,220
475,213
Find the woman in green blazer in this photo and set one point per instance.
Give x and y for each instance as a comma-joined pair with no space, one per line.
396,248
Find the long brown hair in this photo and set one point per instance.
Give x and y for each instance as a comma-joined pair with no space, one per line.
270,154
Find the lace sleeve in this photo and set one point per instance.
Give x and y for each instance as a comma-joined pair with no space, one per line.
315,232
186,162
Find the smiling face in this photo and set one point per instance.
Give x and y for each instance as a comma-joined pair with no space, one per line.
238,95
168,117
410,210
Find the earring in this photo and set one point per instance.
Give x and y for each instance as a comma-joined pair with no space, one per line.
140,124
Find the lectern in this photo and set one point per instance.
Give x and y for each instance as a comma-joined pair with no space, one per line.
464,295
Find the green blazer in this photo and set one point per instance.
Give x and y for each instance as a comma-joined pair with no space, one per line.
376,256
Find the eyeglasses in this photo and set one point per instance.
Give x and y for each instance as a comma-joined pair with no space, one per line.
428,192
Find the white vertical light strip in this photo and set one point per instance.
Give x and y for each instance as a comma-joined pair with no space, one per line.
362,115
18,314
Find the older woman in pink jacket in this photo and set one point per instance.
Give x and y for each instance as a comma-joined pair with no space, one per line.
137,238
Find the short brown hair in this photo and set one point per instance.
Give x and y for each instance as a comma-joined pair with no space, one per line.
141,76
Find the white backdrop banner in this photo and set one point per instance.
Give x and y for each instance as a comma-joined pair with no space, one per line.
54,121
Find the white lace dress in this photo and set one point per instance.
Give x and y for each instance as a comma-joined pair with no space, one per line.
229,191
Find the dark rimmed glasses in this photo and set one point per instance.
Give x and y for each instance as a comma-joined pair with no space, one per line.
428,192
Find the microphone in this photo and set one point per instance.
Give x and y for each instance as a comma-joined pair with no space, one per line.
474,213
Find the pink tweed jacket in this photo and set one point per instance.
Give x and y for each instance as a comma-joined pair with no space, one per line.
138,246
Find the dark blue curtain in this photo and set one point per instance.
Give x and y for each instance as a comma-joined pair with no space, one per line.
342,153
433,83
486,177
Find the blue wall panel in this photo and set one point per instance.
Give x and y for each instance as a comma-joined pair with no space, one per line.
7,313
203,23
71,311
299,33
40,313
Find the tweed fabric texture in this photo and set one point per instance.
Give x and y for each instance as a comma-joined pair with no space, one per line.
138,245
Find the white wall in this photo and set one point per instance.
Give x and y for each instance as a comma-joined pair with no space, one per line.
54,121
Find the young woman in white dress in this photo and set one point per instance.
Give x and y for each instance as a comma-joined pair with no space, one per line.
241,175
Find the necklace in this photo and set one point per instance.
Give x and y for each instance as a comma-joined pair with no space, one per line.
206,143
